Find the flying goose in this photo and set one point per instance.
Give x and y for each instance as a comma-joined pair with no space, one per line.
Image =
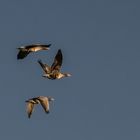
25,50
44,101
53,72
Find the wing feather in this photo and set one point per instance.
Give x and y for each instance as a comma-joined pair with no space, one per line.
45,67
22,54
30,107
45,103
57,61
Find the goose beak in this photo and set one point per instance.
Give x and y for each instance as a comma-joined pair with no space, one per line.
46,48
22,47
44,75
52,99
69,75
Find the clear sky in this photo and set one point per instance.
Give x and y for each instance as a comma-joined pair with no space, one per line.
100,43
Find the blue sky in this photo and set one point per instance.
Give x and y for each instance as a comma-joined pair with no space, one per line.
100,45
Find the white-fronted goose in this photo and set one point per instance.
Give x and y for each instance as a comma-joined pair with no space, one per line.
53,72
44,101
25,50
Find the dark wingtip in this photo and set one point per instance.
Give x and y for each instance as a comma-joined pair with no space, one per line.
49,45
47,112
18,57
59,51
39,61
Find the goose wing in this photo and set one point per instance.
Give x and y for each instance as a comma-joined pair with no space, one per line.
45,103
57,61
45,67
22,54
30,107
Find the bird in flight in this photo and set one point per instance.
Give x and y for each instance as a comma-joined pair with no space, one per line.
25,50
53,72
44,101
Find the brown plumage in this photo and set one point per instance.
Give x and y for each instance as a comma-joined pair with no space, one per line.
25,50
44,101
53,72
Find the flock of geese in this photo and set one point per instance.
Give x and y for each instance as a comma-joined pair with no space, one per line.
51,72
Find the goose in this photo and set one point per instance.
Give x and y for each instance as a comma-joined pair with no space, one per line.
25,50
44,101
53,72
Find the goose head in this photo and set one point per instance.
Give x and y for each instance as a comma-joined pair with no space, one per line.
50,99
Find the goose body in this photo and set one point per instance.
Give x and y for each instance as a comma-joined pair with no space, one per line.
25,50
44,101
53,71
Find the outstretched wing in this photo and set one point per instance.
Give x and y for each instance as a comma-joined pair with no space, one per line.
22,54
45,103
57,61
30,107
45,67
